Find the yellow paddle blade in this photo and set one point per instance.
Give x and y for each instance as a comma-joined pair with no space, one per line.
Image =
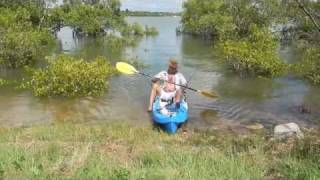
126,68
209,94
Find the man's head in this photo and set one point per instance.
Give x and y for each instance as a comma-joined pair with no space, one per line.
172,66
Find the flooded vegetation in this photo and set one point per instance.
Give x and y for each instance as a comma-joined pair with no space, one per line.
65,111
67,77
270,102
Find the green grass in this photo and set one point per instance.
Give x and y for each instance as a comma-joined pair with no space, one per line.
124,151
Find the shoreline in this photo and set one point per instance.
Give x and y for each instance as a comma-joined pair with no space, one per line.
126,151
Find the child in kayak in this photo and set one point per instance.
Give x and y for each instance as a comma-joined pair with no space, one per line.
163,87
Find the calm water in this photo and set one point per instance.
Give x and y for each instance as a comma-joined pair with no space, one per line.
242,101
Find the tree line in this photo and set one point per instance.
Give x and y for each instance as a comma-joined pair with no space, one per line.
246,33
28,26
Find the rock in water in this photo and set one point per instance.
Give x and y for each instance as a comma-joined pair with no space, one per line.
283,131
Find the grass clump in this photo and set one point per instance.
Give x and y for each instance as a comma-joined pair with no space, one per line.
67,76
123,151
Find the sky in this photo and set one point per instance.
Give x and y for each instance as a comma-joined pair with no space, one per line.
150,5
153,5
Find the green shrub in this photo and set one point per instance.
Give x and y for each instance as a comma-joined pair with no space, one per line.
309,67
67,76
118,43
137,29
86,18
134,29
91,19
206,18
115,42
20,16
220,19
3,82
56,17
20,47
21,36
255,55
151,31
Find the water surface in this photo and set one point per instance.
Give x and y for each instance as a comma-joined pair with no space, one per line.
243,100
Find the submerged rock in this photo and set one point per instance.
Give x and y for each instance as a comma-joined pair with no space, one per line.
283,131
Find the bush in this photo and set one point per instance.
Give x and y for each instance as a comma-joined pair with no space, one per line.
67,76
206,18
255,55
3,82
19,17
309,68
20,40
91,19
114,42
137,29
151,31
87,19
27,12
118,43
20,47
56,17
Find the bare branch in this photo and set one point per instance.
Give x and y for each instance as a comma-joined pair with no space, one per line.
301,6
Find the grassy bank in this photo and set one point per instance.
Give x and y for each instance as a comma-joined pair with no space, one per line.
124,151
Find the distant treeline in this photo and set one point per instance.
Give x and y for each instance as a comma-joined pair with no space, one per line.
146,13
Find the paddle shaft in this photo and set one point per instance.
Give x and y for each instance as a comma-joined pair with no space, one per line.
128,69
147,75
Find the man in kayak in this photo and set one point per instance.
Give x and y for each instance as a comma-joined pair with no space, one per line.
162,85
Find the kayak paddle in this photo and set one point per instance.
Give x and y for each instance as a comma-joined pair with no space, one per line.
126,68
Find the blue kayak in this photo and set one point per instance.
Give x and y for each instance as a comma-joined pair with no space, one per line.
170,122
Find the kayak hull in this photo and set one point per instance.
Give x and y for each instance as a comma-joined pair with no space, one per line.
170,123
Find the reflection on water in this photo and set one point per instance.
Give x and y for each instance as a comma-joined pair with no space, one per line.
67,41
209,116
242,101
236,87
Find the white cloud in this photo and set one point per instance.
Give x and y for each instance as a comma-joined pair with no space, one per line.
153,5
